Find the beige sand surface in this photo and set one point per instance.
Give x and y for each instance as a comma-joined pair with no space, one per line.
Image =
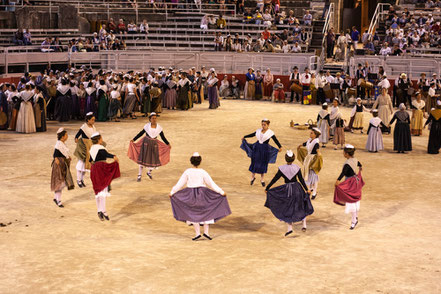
394,249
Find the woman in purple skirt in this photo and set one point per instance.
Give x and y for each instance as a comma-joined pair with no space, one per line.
198,204
289,203
213,94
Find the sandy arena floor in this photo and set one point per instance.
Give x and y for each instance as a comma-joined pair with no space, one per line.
394,249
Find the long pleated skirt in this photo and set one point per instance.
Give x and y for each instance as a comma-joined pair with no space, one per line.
289,203
198,205
213,97
261,155
375,140
416,123
402,138
170,98
129,104
434,137
63,108
26,119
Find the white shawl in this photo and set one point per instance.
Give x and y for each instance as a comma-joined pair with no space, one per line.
322,113
62,148
90,90
262,137
353,163
418,105
63,89
89,131
94,150
152,132
311,143
375,121
334,111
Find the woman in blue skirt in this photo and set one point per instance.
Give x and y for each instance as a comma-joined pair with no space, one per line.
261,153
289,202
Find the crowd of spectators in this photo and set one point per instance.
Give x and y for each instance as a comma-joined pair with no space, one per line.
266,41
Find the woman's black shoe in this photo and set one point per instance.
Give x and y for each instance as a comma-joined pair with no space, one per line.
60,205
208,237
56,202
303,229
263,184
313,196
197,237
101,216
252,181
106,217
79,184
353,225
288,233
82,183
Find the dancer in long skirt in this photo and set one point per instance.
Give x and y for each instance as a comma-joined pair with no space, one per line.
61,176
402,138
63,104
385,108
131,96
25,116
14,102
333,115
339,131
40,110
309,154
171,94
213,93
91,100
197,204
82,138
3,107
290,202
250,85
82,101
103,102
323,124
375,136
259,86
357,115
150,152
261,153
115,106
102,174
348,193
435,130
416,124
75,111
183,89
268,82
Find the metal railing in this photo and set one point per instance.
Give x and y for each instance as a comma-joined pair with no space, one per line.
326,27
380,11
395,65
126,8
226,62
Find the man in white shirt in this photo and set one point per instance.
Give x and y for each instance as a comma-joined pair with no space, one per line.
384,83
329,77
296,48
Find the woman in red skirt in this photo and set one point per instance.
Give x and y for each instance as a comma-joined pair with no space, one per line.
348,193
102,173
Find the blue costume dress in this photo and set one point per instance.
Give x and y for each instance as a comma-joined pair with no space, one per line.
289,202
261,153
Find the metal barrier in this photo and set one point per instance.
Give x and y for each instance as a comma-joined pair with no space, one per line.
328,19
225,62
222,61
93,7
395,65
